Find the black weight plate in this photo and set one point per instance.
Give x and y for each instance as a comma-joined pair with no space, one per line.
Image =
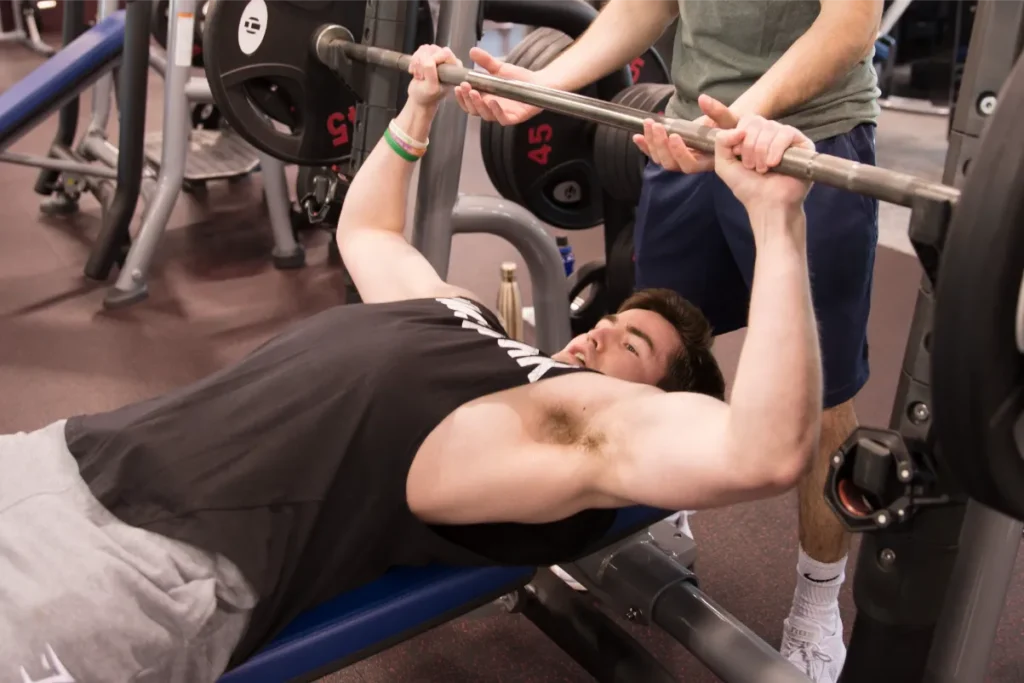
609,158
158,29
649,68
620,276
655,99
611,166
424,24
587,284
546,44
619,162
491,133
548,161
522,52
977,369
268,83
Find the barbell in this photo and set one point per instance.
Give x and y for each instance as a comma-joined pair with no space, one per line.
334,46
245,60
254,59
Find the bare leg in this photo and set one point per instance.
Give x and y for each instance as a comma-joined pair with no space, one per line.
822,536
813,633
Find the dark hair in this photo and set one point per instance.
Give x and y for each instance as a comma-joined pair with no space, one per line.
693,367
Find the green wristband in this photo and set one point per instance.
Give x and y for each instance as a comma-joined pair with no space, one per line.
399,150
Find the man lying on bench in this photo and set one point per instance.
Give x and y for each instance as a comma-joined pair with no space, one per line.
173,537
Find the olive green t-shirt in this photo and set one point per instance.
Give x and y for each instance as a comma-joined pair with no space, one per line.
724,46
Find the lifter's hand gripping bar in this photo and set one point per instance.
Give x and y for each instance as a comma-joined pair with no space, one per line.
334,47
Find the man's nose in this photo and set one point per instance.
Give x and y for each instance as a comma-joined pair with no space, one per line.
600,337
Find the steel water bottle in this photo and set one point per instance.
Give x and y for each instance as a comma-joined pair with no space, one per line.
510,302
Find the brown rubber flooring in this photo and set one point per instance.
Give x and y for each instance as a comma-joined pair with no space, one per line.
215,295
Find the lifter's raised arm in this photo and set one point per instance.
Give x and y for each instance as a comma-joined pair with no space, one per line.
371,240
684,451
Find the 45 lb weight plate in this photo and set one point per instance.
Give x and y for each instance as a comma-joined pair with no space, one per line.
546,163
270,86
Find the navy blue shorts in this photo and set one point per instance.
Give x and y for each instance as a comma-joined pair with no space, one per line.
693,236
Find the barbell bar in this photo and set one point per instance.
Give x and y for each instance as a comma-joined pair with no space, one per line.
334,47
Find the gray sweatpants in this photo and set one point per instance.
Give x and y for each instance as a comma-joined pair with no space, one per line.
86,598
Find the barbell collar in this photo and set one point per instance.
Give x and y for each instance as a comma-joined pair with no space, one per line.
333,48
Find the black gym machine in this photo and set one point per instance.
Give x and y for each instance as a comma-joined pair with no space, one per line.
906,489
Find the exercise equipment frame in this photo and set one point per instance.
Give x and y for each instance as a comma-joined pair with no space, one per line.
930,589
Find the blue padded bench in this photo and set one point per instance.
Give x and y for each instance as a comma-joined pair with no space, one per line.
402,603
60,78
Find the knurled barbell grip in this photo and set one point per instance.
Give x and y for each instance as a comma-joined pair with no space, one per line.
884,184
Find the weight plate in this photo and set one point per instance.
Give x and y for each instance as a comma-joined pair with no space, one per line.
588,285
621,185
619,162
424,24
268,83
546,45
522,52
649,68
546,163
491,133
158,29
977,369
620,275
547,159
609,157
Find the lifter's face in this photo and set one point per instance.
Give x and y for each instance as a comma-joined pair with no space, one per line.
635,345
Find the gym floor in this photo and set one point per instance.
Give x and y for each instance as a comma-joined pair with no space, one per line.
214,295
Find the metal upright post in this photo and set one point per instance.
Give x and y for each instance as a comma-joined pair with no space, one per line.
104,88
67,122
384,28
134,74
441,168
131,281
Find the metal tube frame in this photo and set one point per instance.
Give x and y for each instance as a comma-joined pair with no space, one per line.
180,88
103,91
58,165
130,286
25,32
521,228
441,168
134,75
67,123
929,593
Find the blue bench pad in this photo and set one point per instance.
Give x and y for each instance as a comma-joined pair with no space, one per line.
400,602
60,75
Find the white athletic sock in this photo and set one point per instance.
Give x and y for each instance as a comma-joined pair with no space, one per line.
817,588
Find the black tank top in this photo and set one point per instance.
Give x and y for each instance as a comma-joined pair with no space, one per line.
293,462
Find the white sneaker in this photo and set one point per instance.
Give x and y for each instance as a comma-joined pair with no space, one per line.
564,576
681,520
814,647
